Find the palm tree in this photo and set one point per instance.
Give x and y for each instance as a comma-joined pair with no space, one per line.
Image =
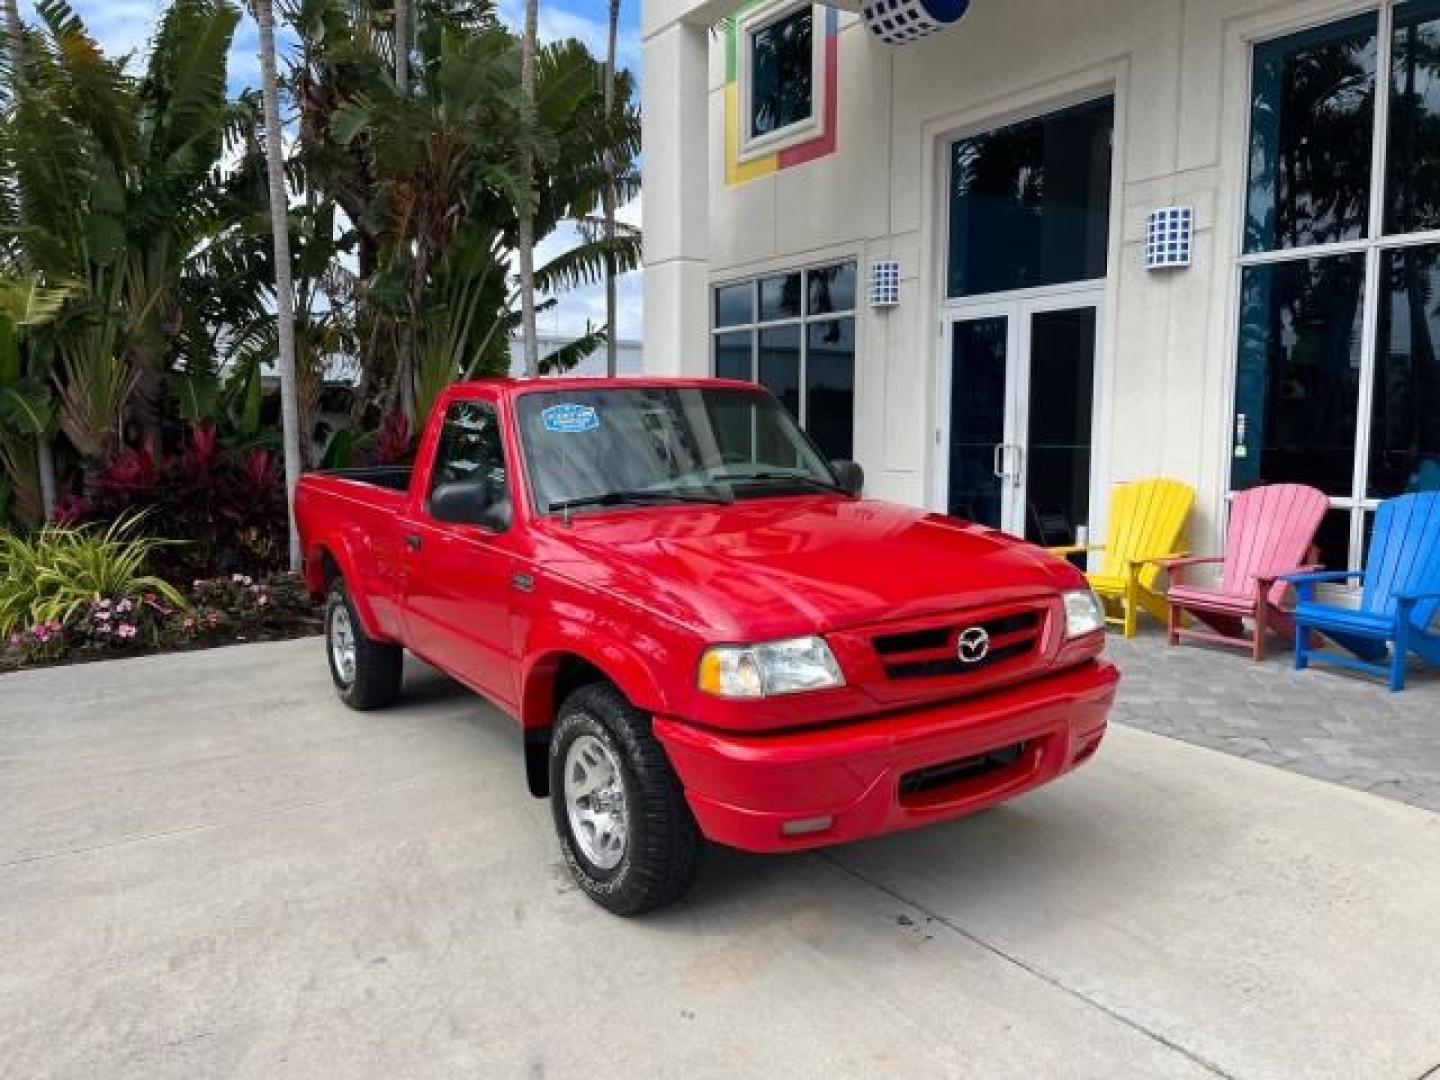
284,288
15,56
612,348
402,47
111,185
527,204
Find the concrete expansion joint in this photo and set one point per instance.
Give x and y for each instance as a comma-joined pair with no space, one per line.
1050,980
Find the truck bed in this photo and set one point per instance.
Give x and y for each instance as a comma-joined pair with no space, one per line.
394,477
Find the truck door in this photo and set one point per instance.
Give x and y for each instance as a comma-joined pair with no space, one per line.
457,600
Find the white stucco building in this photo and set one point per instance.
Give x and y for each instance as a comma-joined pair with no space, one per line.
1010,165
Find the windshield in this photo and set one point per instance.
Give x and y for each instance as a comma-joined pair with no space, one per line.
646,445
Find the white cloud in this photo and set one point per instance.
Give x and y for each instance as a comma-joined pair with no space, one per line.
120,26
586,305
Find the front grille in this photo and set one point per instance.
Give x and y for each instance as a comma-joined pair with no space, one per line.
934,777
934,652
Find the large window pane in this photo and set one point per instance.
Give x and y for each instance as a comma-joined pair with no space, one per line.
780,297
733,359
735,304
978,356
1412,196
1298,377
1332,540
780,365
1405,416
830,387
830,288
781,76
1030,204
1311,118
1062,384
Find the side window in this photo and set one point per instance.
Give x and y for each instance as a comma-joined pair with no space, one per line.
470,451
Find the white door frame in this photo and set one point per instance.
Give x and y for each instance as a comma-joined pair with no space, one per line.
1018,309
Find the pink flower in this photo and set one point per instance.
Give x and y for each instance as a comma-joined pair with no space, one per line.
124,607
41,633
125,630
102,614
189,623
104,604
15,640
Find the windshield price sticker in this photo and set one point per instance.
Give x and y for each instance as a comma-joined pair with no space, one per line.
570,419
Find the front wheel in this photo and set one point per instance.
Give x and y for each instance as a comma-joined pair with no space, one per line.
366,673
625,830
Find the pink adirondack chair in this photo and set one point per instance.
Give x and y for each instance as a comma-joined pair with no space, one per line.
1271,532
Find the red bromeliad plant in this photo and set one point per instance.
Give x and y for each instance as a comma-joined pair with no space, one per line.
393,443
226,505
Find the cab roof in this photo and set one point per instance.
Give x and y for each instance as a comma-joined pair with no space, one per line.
513,387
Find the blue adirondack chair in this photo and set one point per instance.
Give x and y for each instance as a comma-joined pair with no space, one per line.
1401,594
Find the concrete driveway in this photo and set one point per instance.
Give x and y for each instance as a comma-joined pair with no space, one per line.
209,868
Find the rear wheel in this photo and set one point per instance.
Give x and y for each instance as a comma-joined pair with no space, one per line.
625,829
366,673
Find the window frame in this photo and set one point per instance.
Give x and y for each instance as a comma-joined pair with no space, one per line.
1373,245
802,322
749,145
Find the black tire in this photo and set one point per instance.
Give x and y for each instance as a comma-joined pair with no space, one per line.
379,667
662,848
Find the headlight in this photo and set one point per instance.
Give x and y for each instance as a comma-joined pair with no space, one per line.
1083,613
781,667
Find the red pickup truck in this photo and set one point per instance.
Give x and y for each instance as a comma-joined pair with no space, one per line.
701,627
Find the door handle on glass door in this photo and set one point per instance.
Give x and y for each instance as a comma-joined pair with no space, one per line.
1015,477
997,462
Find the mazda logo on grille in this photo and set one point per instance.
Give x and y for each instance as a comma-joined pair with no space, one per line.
974,645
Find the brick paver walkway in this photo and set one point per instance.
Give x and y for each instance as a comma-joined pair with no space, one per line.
1326,724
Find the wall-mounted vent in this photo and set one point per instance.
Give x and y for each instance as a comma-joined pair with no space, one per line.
884,283
899,22
1168,234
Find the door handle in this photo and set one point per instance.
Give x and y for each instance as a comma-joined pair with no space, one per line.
412,541
1017,476
997,462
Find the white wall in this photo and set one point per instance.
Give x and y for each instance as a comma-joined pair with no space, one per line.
1179,73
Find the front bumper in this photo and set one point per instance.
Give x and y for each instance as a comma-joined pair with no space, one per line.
745,790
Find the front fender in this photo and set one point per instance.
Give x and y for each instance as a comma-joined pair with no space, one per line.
636,660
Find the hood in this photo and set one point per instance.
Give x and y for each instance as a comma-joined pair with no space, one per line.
770,568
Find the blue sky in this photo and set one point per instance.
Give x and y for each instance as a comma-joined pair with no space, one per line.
125,26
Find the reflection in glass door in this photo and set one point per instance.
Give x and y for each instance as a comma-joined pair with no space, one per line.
1019,380
1060,390
979,411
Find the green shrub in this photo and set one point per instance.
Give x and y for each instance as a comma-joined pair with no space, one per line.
47,577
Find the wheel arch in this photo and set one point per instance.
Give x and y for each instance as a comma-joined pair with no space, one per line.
554,676
328,561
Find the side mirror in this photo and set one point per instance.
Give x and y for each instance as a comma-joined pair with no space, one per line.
463,502
849,475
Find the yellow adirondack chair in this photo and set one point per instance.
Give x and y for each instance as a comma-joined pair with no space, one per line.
1147,522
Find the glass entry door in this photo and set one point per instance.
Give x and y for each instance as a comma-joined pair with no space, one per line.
1017,383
